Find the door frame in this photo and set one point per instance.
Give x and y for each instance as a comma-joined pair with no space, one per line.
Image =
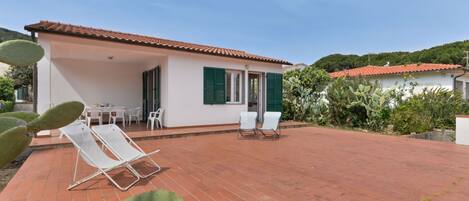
261,98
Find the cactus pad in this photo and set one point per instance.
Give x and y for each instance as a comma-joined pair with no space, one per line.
13,139
26,116
160,195
57,117
20,52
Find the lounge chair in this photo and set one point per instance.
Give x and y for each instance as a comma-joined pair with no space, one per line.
247,123
122,146
88,149
271,123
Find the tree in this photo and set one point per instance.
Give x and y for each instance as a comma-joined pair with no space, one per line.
7,91
23,76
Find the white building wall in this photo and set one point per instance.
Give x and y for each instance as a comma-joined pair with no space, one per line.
93,82
43,73
185,90
423,80
84,76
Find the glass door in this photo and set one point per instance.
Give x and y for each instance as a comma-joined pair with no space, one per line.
253,93
151,91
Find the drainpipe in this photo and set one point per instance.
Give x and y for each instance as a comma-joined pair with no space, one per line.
33,38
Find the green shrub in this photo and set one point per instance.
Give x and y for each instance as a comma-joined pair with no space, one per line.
358,102
433,108
6,106
303,98
7,90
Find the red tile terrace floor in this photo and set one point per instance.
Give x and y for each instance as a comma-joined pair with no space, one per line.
305,164
140,132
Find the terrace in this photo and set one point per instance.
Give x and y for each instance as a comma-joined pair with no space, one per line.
308,163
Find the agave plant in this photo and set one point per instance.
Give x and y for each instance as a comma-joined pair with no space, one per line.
17,128
160,195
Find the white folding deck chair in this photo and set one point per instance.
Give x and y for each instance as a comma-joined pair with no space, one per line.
87,148
271,123
121,145
247,123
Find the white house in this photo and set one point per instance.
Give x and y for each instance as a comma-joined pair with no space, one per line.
195,84
448,76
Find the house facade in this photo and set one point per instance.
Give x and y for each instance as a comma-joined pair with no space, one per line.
447,76
195,84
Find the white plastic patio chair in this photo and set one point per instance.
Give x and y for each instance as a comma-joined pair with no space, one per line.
136,114
87,148
94,114
247,123
156,117
271,123
122,146
118,114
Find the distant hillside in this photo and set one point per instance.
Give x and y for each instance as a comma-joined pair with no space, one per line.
451,53
6,34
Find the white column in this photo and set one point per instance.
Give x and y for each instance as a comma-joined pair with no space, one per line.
44,78
246,86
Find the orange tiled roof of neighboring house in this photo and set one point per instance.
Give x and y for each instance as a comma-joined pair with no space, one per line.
107,35
389,70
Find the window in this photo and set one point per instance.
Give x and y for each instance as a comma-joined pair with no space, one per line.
233,86
214,86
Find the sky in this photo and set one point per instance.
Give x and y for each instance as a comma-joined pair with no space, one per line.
300,31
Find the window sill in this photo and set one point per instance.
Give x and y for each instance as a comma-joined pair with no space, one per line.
234,103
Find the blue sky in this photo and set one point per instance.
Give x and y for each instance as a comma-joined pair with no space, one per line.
295,30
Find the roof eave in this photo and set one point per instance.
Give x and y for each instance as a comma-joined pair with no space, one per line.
33,29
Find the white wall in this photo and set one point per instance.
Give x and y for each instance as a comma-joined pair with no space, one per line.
185,90
74,69
93,82
423,80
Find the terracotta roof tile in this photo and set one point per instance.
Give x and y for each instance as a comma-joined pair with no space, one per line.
107,35
389,70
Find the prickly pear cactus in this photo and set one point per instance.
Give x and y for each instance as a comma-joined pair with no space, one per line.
25,116
13,139
160,195
20,52
57,117
17,128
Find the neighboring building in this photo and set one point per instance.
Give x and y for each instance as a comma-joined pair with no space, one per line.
448,76
300,66
3,68
195,84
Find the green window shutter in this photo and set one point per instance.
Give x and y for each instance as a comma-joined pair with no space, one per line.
274,92
214,85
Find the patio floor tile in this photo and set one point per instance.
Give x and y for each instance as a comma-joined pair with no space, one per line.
308,163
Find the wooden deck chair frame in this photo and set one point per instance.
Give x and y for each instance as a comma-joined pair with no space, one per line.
271,124
247,124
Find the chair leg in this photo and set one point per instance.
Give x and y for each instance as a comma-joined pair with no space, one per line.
160,124
152,124
158,168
